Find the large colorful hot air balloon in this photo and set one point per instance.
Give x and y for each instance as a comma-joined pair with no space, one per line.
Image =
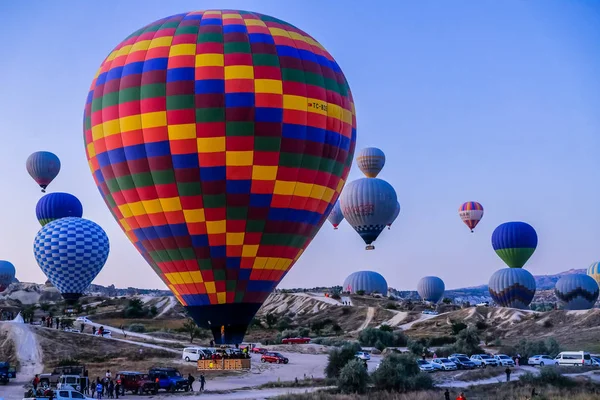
43,167
514,242
335,216
370,161
71,251
366,281
220,140
394,216
471,213
594,271
431,288
368,205
577,291
7,274
512,287
57,205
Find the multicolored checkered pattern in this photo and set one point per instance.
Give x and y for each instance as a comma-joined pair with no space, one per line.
71,251
220,140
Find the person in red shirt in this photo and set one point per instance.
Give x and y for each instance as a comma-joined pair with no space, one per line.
461,396
36,381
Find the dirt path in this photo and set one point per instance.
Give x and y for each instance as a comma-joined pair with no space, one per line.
396,319
29,354
368,319
133,334
250,394
172,303
423,317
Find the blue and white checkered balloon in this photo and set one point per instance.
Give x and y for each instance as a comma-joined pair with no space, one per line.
71,251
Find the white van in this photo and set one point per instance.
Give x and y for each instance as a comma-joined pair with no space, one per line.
579,358
194,353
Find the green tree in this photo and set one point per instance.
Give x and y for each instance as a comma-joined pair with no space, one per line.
336,329
44,307
447,300
397,372
467,342
134,309
153,311
339,357
192,329
354,377
271,320
457,327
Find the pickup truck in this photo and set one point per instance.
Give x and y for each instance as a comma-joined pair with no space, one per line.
51,379
72,381
62,394
169,379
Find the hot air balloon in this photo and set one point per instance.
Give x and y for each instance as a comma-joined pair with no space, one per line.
71,251
514,242
57,205
370,161
512,287
7,274
368,205
43,167
394,216
366,281
220,140
594,271
577,291
335,216
431,288
471,213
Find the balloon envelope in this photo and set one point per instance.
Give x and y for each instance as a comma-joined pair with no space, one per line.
577,291
370,161
367,281
471,213
71,251
7,274
594,271
514,243
57,205
235,135
43,167
368,204
335,216
431,288
512,287
395,215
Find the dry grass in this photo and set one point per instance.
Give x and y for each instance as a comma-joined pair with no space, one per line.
8,351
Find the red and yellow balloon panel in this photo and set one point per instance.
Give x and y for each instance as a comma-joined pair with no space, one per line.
220,140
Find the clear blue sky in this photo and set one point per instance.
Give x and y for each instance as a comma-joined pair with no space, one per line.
471,100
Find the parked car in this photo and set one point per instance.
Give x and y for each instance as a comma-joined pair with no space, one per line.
195,353
363,355
76,382
137,382
443,364
72,330
483,360
424,366
463,362
595,361
169,379
273,357
541,360
504,360
579,358
459,355
62,394
483,304
296,340
84,320
51,379
105,333
259,350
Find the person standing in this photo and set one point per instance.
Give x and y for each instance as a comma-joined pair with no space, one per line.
461,396
191,380
99,389
82,326
36,381
507,374
118,386
446,395
111,389
518,360
57,322
202,382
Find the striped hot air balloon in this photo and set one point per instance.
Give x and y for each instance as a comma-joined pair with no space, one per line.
335,216
43,167
512,287
471,213
577,291
366,281
431,288
7,274
370,161
57,205
514,242
220,140
394,216
594,271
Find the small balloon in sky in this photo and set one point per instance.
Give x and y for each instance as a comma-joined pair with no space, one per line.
43,166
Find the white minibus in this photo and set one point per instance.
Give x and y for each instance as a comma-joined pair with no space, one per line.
579,358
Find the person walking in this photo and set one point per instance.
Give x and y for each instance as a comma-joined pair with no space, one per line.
461,396
99,389
93,330
507,370
202,382
36,381
82,326
446,395
191,380
57,322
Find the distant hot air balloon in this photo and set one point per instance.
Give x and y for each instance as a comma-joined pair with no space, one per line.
43,167
335,216
370,161
7,274
514,242
220,153
366,281
394,216
577,291
431,288
57,205
512,287
594,271
71,251
368,205
471,213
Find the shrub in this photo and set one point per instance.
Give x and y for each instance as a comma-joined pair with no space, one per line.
421,382
271,320
548,324
391,306
353,377
338,358
303,332
336,329
481,325
467,342
317,326
283,324
386,328
527,348
336,296
399,372
417,347
440,340
345,310
360,292
457,327
139,328
447,300
374,337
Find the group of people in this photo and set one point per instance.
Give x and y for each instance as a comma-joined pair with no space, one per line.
105,387
50,321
